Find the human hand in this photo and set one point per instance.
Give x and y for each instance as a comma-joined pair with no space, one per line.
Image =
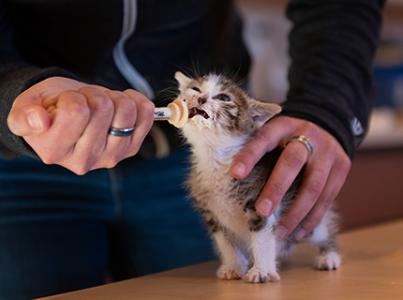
66,122
325,172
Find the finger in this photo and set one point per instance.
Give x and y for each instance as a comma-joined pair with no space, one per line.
288,166
264,140
70,119
144,120
91,144
27,120
124,117
315,178
335,182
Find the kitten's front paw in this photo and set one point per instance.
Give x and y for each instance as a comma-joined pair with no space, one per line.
229,273
256,275
328,261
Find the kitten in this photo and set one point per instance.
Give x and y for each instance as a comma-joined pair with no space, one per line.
222,118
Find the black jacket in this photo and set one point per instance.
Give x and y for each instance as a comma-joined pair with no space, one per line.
331,45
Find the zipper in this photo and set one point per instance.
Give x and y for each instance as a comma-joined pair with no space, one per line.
133,77
128,71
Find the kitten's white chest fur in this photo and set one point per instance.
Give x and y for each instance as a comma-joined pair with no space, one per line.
213,169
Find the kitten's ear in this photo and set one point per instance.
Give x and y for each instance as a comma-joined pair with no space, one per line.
182,79
262,111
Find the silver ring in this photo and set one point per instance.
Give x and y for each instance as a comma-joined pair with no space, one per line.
303,140
121,132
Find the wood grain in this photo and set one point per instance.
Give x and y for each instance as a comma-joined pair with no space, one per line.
372,269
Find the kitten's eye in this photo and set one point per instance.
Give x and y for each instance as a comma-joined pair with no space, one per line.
223,97
195,88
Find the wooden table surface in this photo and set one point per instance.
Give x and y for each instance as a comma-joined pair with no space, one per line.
372,269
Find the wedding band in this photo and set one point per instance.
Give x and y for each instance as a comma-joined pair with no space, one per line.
121,132
303,140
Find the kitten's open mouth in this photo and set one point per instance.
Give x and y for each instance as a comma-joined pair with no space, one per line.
196,111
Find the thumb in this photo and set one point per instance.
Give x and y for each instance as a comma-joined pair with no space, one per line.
28,120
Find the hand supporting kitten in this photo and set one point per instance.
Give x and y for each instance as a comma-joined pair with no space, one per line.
326,172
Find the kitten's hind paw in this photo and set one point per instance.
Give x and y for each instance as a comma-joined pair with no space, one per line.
328,261
228,273
255,275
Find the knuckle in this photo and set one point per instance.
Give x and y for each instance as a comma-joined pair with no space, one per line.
310,128
87,89
83,165
291,221
102,104
295,158
77,109
310,224
250,154
111,162
130,154
111,159
75,105
261,134
246,154
315,186
132,93
80,169
277,188
136,96
126,107
11,118
134,149
126,104
67,95
49,158
328,146
321,173
146,107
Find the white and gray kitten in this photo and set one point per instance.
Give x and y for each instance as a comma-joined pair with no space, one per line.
222,119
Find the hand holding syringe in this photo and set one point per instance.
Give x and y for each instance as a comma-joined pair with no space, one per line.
83,127
176,113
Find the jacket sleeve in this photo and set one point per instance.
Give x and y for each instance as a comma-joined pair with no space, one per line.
332,46
16,75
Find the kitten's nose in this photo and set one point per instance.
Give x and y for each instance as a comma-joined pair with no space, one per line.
201,100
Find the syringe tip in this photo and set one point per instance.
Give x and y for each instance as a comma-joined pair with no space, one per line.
180,113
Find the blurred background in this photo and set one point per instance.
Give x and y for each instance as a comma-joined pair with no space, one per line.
374,190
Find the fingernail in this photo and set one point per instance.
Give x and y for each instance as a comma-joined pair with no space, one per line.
300,234
264,207
281,232
238,169
34,120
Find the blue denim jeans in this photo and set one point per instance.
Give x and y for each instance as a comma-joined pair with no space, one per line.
60,232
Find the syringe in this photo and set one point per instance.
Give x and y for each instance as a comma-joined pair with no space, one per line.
176,113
